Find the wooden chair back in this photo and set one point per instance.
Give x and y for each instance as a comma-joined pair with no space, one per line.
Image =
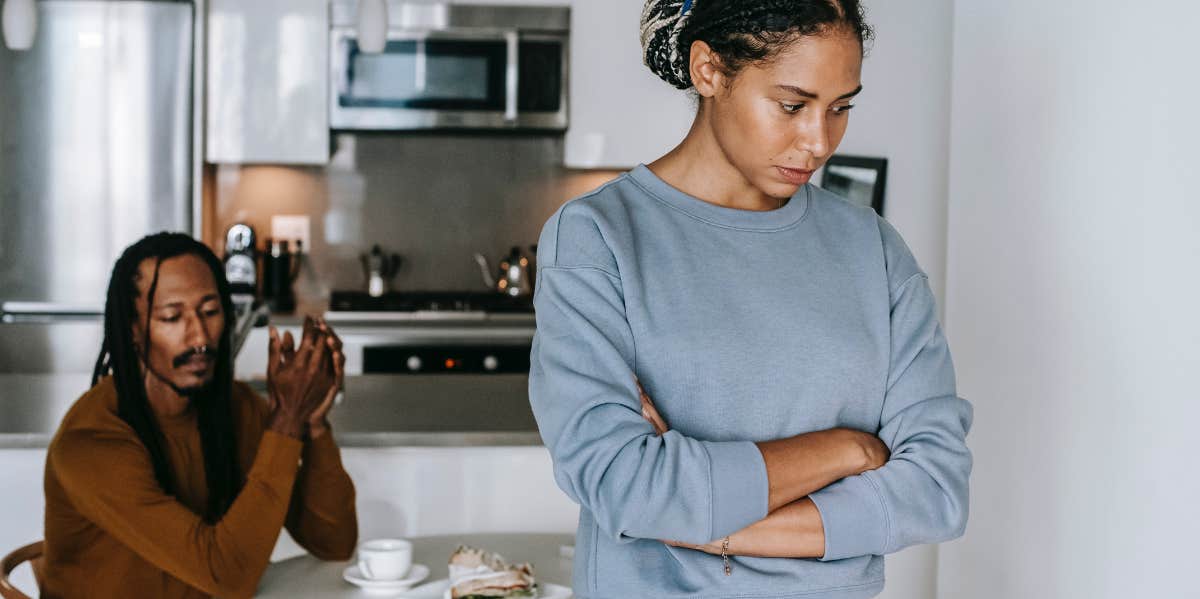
31,553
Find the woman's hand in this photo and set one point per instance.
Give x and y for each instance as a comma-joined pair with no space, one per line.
713,548
874,453
860,451
794,530
650,413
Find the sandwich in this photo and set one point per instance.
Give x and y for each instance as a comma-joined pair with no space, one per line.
479,574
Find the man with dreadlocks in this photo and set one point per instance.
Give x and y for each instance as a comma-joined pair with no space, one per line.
788,336
169,479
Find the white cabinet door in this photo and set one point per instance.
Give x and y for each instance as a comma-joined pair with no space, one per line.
267,81
421,491
621,114
417,491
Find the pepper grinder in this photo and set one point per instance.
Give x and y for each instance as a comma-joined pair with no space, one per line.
280,268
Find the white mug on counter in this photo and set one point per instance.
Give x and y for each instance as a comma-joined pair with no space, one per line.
385,559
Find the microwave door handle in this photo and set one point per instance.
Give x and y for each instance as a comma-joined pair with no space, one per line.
512,39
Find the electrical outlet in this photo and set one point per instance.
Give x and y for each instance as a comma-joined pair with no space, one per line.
292,227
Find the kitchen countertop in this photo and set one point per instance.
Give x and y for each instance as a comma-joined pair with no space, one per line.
378,410
374,319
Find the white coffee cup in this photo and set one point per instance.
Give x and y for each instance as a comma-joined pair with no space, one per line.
385,559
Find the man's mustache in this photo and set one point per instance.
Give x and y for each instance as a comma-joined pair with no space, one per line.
183,358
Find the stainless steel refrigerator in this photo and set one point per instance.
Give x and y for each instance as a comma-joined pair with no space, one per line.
96,147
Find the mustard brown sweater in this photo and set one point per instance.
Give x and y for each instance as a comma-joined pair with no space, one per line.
111,531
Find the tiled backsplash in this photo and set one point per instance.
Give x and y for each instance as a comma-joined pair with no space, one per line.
434,199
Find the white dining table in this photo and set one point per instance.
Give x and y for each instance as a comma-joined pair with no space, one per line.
306,576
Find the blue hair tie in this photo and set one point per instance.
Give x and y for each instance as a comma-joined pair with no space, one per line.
687,5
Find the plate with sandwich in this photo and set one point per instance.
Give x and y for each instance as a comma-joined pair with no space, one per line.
480,574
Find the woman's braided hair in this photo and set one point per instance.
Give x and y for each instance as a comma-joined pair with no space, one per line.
741,32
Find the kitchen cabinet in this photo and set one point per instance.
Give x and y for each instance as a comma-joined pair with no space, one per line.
421,491
266,82
267,85
621,114
418,491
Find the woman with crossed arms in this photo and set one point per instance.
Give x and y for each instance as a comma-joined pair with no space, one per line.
788,336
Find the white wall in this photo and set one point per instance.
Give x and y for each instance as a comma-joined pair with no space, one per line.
903,115
1074,273
621,113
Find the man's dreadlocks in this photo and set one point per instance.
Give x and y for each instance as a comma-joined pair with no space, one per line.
120,357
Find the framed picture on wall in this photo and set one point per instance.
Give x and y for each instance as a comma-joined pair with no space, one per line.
857,178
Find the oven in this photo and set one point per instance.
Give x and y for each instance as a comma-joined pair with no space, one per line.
436,333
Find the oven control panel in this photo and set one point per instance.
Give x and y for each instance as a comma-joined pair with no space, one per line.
445,359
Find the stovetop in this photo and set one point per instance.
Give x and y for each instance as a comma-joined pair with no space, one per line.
430,301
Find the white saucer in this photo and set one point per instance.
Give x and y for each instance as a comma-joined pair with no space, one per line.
416,574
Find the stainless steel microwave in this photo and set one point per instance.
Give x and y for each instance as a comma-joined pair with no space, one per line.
451,66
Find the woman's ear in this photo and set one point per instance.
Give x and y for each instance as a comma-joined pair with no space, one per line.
705,68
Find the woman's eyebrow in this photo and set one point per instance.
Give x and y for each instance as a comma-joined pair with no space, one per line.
799,91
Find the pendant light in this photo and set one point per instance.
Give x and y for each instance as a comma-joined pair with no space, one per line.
19,20
372,25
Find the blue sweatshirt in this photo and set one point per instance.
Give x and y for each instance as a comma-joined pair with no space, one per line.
742,326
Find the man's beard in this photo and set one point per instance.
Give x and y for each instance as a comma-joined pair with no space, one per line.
189,392
192,392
